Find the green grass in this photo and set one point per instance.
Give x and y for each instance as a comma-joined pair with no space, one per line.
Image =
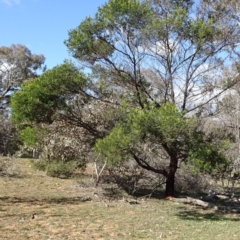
62,209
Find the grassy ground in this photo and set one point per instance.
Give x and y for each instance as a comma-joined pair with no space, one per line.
34,206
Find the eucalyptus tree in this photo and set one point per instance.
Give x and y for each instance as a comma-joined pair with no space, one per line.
17,64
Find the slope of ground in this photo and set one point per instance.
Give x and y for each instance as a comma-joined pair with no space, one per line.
34,206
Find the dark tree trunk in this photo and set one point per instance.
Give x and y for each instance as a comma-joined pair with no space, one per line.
170,178
169,174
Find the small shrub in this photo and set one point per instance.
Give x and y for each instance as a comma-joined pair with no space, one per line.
40,164
60,169
188,181
8,166
4,164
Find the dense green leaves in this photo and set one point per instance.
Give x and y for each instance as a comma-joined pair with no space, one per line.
85,41
164,125
125,13
42,99
31,136
208,153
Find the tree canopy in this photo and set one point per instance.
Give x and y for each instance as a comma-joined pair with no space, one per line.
43,98
168,51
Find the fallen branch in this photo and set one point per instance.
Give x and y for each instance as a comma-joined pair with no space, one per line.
198,202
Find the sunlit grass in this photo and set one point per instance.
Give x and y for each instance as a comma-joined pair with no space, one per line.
34,206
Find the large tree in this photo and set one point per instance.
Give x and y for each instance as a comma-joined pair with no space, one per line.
156,66
155,52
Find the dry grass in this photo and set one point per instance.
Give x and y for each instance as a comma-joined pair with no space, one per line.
34,206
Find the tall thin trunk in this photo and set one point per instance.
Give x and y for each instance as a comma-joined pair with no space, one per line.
170,178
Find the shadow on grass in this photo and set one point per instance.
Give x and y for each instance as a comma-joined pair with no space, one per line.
13,176
235,189
199,214
114,192
43,201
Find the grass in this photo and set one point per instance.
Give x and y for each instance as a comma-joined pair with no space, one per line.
35,206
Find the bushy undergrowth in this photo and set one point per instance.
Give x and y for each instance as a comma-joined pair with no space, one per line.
137,181
134,180
58,168
189,181
8,166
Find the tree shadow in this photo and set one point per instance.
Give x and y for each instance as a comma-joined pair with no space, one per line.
13,176
114,192
44,201
199,214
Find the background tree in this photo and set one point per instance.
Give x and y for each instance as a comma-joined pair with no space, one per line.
9,140
17,64
229,116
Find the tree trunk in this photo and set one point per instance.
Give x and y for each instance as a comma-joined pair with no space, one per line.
169,174
170,178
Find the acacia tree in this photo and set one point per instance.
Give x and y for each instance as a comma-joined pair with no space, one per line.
155,52
156,66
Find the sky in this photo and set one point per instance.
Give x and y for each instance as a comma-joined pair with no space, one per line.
43,25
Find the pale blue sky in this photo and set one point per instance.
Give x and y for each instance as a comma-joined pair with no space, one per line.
43,25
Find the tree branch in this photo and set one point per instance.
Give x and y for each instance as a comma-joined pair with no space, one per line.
142,163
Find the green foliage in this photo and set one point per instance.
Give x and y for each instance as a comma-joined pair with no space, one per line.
200,32
94,38
116,146
207,153
43,98
181,27
84,42
32,135
126,13
164,125
58,168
